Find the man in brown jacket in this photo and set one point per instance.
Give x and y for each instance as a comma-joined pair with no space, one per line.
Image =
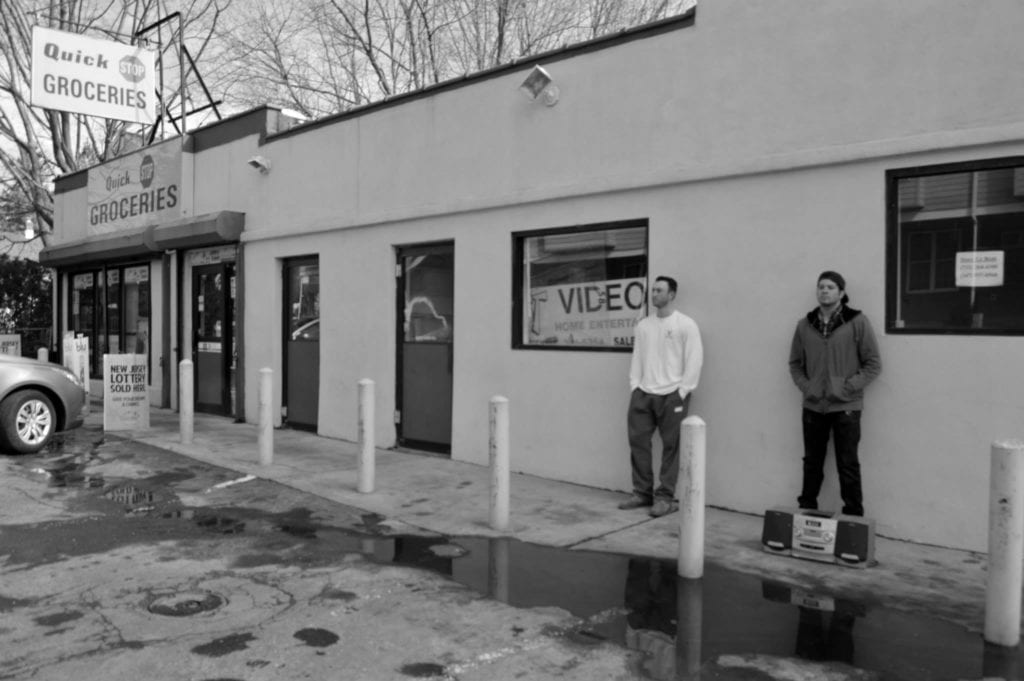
833,358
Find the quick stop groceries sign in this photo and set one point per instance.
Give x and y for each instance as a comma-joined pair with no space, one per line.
135,190
71,72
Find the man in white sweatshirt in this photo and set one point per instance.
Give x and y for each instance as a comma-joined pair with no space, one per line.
667,359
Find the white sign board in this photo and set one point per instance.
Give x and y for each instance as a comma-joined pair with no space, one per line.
590,313
10,344
76,358
979,268
78,74
125,392
136,190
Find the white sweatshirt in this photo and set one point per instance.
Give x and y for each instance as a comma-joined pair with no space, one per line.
667,355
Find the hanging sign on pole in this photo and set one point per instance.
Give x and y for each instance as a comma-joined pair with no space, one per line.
72,72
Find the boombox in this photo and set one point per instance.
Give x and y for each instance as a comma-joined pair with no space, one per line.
820,535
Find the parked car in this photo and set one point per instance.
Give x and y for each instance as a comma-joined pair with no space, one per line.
37,399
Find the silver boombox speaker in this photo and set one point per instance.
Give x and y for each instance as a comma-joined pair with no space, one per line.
825,536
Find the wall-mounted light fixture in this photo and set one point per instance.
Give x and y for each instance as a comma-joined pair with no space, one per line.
539,85
261,164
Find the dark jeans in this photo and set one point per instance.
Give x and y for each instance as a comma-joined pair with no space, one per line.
647,412
651,595
816,642
844,427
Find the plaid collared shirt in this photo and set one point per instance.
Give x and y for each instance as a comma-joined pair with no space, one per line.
827,325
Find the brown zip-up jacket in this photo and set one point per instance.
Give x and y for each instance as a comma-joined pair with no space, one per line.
832,371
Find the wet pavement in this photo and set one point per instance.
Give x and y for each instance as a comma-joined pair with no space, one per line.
750,617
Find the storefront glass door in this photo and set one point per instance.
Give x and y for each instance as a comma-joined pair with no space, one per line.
86,315
213,336
425,354
302,343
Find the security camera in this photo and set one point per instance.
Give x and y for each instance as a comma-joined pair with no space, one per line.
539,85
261,164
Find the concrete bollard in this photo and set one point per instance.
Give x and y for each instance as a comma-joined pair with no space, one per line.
1005,543
265,437
367,450
186,402
43,355
690,490
499,463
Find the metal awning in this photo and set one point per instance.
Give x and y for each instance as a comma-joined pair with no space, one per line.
211,229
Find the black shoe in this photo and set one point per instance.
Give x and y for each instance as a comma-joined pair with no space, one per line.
635,501
663,507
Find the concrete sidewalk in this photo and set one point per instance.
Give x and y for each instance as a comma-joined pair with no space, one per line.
448,497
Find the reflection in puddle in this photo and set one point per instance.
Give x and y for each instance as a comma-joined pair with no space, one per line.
131,497
716,627
71,473
726,625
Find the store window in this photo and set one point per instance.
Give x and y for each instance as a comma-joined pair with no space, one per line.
111,307
956,248
580,288
304,301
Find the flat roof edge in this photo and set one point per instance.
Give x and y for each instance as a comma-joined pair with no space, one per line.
626,35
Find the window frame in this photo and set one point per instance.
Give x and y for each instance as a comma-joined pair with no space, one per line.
894,249
519,239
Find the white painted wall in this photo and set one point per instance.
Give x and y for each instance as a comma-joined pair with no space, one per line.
756,143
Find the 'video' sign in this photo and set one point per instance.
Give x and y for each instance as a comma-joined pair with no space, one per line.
71,72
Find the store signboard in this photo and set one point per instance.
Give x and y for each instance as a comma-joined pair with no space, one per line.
125,392
74,73
593,313
76,357
136,275
10,344
211,256
136,190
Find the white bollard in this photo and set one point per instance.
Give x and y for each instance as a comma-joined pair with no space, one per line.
265,437
43,355
499,463
186,403
1005,543
367,451
690,490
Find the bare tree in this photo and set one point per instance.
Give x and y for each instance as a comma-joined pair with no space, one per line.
325,56
38,145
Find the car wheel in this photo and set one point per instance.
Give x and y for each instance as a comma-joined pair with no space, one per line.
27,421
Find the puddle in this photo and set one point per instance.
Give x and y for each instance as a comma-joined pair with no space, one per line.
726,624
71,473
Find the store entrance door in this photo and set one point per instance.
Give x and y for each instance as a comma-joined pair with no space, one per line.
213,336
302,344
426,291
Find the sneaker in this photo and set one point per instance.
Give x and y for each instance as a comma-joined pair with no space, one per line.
635,501
663,507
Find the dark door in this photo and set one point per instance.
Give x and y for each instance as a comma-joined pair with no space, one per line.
425,358
302,343
213,336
